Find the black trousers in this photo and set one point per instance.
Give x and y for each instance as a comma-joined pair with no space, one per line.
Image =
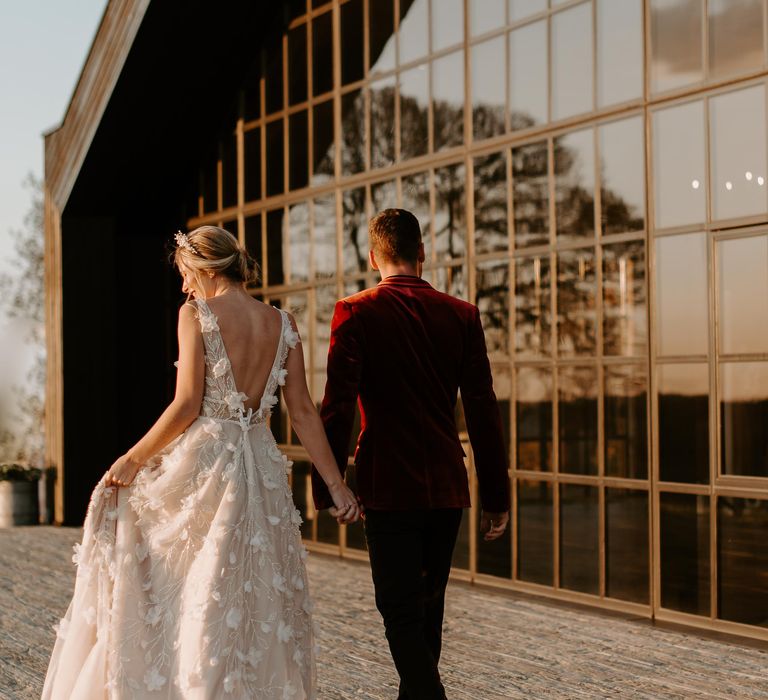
410,554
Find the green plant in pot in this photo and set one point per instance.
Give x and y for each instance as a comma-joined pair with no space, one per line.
18,495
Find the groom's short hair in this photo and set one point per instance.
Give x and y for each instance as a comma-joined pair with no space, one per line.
395,235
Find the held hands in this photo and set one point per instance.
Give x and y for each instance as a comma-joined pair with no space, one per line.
345,508
493,524
122,472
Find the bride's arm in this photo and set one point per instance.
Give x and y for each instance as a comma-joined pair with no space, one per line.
185,407
309,428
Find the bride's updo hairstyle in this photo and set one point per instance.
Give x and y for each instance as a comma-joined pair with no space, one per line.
213,249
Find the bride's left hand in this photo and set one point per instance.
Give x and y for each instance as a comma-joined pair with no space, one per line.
122,472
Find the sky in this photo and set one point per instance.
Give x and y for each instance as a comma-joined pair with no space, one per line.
43,45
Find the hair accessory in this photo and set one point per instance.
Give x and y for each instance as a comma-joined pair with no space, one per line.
183,242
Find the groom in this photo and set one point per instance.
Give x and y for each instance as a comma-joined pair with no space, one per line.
403,350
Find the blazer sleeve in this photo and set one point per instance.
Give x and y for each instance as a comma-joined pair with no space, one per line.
481,412
341,392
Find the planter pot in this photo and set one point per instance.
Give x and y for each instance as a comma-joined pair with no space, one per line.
18,503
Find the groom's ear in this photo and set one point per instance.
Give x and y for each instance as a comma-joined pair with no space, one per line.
372,259
421,257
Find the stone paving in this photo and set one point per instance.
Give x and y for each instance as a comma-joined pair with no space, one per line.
497,646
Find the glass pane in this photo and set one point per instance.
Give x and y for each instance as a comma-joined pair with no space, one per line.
743,294
676,43
622,176
530,194
572,82
253,240
681,289
322,54
576,326
528,76
381,28
491,230
619,51
626,424
683,392
353,141
252,96
298,152
451,280
577,416
415,191
489,99
494,558
533,410
275,247
383,196
450,212
354,231
533,307
625,324
685,552
252,164
383,123
738,153
742,560
273,78
744,418
519,9
486,15
414,33
229,172
575,185
626,545
678,164
461,552
297,64
326,298
352,42
324,148
448,100
447,24
274,156
735,36
301,485
325,236
535,545
299,251
414,112
579,550
492,298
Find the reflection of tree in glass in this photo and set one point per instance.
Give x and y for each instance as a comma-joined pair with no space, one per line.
491,230
382,126
450,211
353,133
354,243
530,198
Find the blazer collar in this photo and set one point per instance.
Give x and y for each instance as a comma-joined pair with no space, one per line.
404,281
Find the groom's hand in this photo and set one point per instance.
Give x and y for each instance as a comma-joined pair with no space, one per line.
493,524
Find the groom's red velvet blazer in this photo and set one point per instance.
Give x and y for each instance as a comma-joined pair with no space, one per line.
404,350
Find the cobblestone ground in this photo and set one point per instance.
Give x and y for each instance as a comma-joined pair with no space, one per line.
496,646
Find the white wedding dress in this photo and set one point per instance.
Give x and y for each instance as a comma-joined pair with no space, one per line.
191,582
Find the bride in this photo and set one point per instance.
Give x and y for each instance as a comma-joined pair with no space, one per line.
191,580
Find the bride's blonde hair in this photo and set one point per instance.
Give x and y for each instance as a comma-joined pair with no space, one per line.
214,249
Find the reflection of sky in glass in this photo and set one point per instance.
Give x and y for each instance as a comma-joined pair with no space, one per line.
675,43
681,303
572,61
299,247
683,379
735,35
448,96
486,15
414,41
744,381
528,75
678,164
519,9
488,89
743,291
447,23
324,231
737,128
619,50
